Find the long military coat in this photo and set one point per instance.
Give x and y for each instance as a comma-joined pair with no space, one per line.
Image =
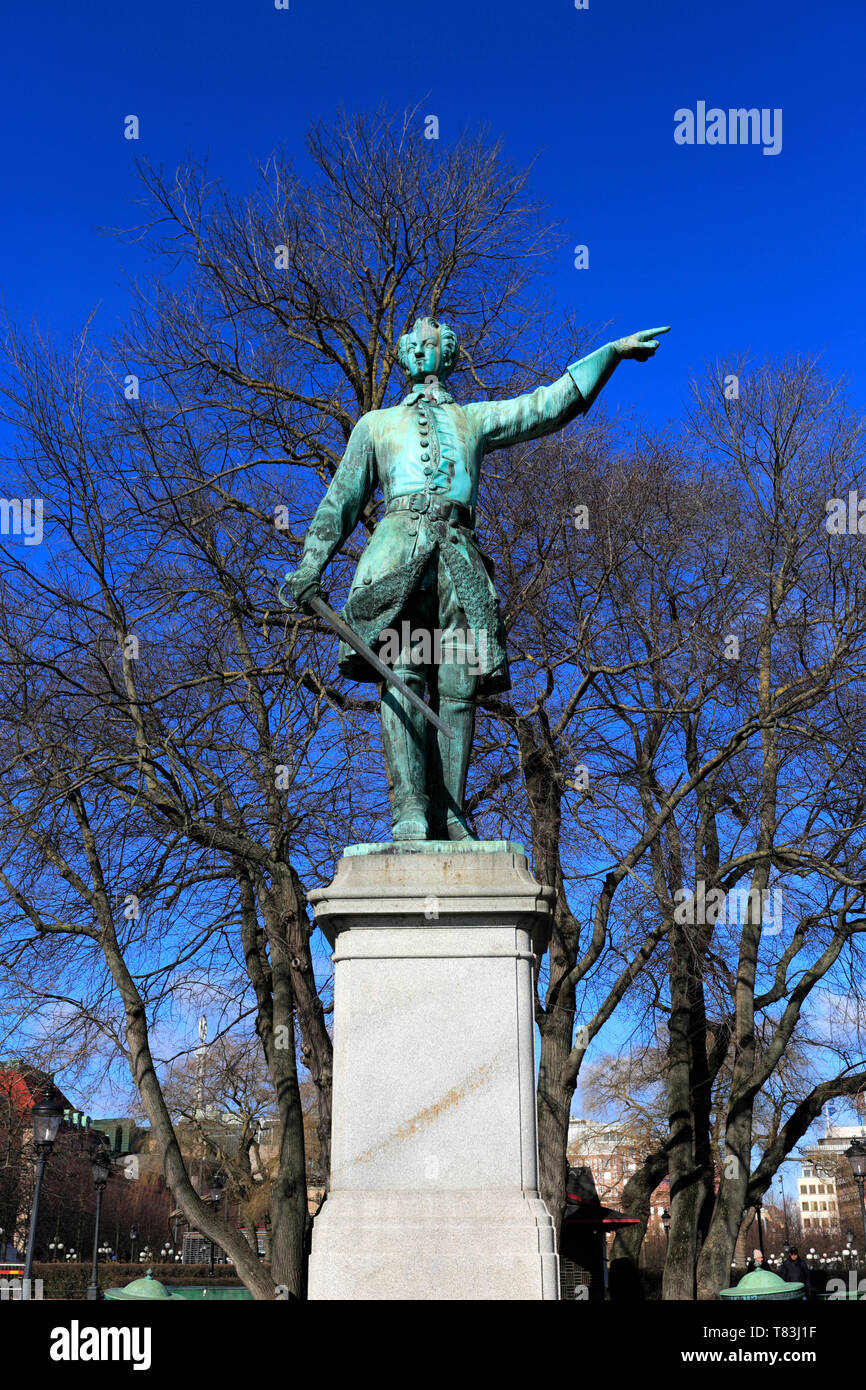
430,449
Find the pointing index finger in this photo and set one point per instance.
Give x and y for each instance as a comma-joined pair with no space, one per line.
654,332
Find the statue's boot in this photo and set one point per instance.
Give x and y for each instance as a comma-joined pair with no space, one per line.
404,742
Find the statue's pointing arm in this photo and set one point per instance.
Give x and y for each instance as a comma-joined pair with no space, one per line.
337,514
549,408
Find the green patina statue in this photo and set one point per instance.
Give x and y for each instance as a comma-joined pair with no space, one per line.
422,597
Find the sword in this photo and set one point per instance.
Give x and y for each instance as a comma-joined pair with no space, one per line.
351,638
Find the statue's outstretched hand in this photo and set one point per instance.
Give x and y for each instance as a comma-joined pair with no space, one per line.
641,345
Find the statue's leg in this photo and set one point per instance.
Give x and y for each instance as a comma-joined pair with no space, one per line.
457,709
455,682
404,742
404,737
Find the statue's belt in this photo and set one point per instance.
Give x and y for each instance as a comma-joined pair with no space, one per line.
446,510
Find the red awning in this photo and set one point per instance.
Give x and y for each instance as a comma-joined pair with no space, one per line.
588,1214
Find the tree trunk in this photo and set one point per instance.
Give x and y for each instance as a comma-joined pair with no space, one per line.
554,1094
679,1273
688,1146
556,1018
275,1024
318,1050
197,1212
636,1198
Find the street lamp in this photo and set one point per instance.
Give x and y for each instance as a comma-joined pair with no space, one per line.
100,1160
174,1220
856,1156
786,1246
758,1213
666,1223
46,1115
215,1186
133,1234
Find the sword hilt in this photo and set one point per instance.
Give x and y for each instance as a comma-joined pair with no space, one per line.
292,602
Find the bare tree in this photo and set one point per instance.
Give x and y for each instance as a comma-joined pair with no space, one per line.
761,874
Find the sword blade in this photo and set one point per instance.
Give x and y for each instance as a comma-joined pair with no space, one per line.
357,644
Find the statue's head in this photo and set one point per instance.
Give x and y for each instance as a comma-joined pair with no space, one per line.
429,350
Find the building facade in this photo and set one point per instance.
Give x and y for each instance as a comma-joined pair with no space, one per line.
21,1087
824,1187
613,1152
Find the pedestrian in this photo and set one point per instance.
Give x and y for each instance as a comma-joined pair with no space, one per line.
756,1262
794,1270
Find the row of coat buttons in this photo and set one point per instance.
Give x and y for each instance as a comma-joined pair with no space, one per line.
425,457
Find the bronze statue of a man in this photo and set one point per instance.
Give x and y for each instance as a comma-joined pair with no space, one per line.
423,573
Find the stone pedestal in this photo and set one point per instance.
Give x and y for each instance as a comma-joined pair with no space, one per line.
434,1168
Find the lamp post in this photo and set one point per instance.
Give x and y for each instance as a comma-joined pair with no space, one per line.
856,1156
787,1244
759,1214
100,1160
216,1185
133,1234
47,1116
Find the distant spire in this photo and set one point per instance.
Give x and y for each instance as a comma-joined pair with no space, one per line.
202,1033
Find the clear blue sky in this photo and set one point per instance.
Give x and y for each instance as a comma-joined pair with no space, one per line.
735,248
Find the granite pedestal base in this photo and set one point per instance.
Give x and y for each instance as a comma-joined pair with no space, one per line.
434,1177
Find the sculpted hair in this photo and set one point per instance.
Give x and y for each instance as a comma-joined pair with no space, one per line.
449,346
